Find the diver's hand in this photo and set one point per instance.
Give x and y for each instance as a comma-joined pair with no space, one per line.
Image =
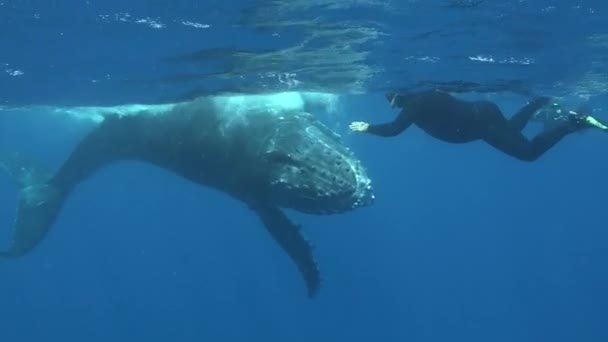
359,126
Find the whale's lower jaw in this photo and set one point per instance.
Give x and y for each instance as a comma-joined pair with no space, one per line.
317,173
322,201
325,189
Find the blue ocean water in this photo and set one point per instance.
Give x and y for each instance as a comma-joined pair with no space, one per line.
463,243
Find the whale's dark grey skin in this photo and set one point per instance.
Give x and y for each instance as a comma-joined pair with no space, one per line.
266,159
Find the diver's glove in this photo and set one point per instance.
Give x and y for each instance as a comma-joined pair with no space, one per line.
359,126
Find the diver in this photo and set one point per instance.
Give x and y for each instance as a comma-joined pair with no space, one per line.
454,120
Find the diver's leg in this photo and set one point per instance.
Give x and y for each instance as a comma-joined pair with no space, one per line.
514,143
521,118
115,138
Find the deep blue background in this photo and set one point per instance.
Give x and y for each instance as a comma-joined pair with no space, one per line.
462,244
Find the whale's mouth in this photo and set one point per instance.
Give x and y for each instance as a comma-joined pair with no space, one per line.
314,172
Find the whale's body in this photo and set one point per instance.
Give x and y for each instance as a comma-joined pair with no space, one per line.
265,157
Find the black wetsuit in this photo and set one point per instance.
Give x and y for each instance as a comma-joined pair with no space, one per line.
453,120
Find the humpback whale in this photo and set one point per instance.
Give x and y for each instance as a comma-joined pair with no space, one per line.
267,158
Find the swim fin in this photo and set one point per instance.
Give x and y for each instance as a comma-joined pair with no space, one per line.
39,203
582,121
591,121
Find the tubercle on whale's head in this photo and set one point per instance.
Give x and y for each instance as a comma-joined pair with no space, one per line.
313,171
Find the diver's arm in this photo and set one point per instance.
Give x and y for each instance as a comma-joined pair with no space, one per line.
390,129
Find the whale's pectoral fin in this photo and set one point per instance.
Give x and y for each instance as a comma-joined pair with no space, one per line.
39,203
288,235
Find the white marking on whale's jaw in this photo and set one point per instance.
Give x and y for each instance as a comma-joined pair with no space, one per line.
313,171
229,104
279,103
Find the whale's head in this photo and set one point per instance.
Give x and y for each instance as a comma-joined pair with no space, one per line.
311,170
